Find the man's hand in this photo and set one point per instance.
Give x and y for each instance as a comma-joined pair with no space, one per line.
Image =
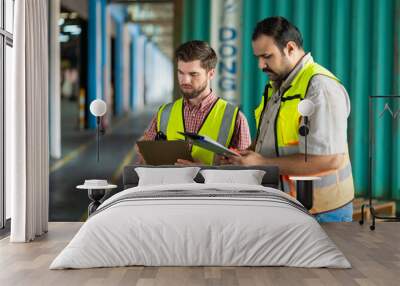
221,160
247,158
182,162
292,164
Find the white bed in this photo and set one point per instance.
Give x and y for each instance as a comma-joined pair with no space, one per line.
203,225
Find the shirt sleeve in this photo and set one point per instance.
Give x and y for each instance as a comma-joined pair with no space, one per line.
241,138
151,131
328,123
149,135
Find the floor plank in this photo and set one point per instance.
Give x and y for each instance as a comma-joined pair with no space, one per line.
374,255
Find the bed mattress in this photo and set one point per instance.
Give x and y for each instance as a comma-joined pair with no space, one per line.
201,225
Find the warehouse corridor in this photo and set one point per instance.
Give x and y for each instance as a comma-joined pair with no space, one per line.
79,160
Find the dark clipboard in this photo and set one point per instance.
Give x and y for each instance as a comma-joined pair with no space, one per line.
164,152
209,144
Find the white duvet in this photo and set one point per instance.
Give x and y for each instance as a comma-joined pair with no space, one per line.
183,231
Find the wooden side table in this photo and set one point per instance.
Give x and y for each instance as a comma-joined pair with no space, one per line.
96,194
304,189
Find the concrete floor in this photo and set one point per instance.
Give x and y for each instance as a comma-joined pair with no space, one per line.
79,162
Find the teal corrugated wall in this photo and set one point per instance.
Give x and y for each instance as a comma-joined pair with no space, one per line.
249,67
266,9
359,89
383,58
196,20
358,40
396,137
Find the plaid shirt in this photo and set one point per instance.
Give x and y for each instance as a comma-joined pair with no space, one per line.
194,117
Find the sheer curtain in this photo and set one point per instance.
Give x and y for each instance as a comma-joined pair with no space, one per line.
27,123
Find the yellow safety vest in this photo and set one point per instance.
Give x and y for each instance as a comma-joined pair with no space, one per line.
219,125
336,188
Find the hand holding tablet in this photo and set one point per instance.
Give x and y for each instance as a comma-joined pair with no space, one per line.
209,144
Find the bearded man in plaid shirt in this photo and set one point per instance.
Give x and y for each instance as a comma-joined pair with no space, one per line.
199,110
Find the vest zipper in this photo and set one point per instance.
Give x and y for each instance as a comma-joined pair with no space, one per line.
202,123
276,120
276,133
265,95
205,117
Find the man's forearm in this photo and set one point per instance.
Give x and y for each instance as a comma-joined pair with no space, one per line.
296,166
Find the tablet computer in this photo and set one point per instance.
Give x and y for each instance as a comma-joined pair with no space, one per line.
164,152
209,144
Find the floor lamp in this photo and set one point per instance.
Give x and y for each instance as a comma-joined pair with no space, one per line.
97,189
304,185
98,108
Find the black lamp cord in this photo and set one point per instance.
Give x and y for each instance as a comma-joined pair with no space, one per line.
305,137
303,131
98,137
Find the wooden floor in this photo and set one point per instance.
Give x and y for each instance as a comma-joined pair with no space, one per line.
374,255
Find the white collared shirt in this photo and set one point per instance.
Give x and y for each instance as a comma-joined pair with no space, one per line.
328,123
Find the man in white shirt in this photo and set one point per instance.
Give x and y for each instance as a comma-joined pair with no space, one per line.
293,77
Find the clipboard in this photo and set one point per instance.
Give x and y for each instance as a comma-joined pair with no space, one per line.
209,144
164,152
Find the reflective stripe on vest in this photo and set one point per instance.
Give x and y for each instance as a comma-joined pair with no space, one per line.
228,118
332,179
288,150
163,117
219,125
335,189
258,112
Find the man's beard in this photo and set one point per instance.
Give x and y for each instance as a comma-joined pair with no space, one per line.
278,77
195,93
273,76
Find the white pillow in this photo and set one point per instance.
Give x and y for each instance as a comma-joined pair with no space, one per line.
248,177
164,176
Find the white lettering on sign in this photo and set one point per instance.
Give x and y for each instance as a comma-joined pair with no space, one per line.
227,44
228,60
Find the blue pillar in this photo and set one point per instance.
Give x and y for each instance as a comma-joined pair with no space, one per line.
118,13
118,69
145,68
132,70
148,68
134,33
94,54
103,47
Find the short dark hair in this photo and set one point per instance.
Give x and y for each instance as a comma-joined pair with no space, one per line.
197,50
280,29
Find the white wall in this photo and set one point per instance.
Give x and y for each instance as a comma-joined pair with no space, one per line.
9,60
159,76
139,82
